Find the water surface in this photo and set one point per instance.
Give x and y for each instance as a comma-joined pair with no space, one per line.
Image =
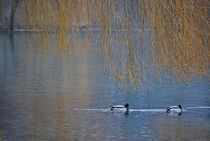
45,96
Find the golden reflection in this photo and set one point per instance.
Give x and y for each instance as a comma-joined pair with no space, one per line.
52,97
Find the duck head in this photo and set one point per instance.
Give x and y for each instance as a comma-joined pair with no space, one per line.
126,106
180,107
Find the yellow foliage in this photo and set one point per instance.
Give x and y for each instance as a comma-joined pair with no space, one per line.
137,37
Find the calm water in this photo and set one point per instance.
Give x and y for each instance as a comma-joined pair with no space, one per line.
46,97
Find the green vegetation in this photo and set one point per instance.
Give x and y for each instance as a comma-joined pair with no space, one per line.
177,30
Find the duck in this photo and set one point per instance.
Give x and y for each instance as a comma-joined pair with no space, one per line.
123,108
174,109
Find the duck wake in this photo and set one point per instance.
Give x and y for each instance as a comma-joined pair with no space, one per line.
199,107
130,110
143,110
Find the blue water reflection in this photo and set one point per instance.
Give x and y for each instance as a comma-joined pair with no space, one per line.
40,91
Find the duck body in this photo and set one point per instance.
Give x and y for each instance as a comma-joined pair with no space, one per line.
122,108
174,109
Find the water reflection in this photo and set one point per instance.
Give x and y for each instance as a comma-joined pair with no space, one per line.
180,129
40,90
39,86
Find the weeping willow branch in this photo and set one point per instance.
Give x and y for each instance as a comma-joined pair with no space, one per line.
139,38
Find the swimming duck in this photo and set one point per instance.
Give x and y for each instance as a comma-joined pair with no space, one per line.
123,108
174,109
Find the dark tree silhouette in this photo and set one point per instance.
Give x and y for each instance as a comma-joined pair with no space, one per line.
13,11
1,18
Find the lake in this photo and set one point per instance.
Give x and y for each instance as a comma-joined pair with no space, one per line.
45,96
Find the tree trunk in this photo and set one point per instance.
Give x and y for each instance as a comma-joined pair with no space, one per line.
13,11
1,15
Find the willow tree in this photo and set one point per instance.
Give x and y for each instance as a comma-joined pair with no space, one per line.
138,37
